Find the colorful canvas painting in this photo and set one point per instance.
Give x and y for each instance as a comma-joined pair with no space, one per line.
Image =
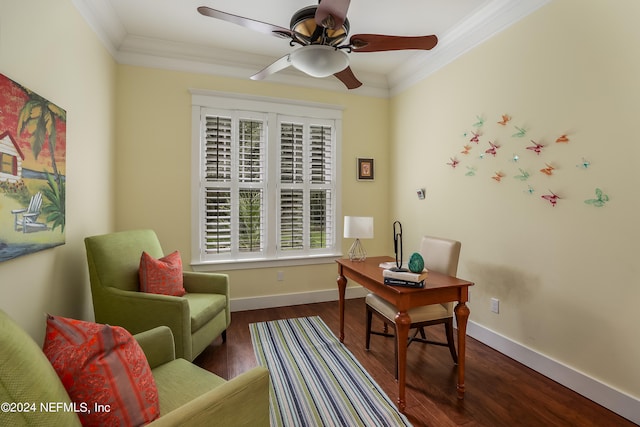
32,171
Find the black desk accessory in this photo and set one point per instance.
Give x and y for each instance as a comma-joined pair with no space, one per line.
397,241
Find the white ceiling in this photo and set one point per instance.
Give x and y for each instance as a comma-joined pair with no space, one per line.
171,34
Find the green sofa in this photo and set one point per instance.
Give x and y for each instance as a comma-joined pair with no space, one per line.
189,395
195,319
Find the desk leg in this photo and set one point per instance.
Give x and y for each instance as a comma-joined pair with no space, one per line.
402,330
342,286
462,314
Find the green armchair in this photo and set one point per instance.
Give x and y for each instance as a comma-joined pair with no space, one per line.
188,395
195,319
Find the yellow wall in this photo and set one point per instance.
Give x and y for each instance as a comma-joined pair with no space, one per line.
566,277
153,160
48,47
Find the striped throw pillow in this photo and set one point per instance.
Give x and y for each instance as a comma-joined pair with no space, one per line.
104,371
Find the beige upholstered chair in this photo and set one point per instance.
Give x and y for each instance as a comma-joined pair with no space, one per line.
440,255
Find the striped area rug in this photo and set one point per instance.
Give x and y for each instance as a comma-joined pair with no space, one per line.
315,380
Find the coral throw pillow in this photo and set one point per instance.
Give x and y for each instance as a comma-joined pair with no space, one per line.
104,371
161,276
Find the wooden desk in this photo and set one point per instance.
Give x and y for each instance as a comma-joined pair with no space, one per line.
438,288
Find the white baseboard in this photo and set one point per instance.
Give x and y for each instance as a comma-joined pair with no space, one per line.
622,404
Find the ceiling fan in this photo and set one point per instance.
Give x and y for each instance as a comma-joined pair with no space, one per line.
320,31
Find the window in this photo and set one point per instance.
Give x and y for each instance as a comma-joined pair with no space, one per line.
8,164
265,177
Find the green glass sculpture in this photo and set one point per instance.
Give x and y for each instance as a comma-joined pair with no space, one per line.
416,263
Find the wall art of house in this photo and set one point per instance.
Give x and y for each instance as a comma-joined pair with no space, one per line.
11,158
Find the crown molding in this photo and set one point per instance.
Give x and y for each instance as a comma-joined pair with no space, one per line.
490,20
493,17
104,21
154,53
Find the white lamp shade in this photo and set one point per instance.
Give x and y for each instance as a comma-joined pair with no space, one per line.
358,227
319,60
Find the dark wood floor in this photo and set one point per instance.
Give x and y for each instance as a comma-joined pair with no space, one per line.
499,390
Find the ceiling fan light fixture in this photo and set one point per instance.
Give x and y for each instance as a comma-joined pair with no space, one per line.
319,60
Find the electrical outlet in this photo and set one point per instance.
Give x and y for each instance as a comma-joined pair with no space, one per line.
280,276
495,305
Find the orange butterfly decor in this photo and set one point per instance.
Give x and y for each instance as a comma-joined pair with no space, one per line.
498,176
548,170
505,120
466,149
562,138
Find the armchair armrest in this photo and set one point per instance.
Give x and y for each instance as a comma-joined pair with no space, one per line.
206,283
138,312
157,345
241,401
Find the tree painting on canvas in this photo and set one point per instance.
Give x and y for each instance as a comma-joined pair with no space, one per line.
32,171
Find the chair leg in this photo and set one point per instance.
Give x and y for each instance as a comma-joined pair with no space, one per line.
368,332
448,326
422,334
224,336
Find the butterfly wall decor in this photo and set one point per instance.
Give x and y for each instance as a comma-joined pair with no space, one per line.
505,119
542,145
475,138
548,170
536,148
524,175
493,149
479,123
552,198
600,199
584,164
521,132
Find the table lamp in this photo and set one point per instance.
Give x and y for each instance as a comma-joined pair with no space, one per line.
358,227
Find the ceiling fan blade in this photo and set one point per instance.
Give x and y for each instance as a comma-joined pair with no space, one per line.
332,13
252,24
347,77
378,42
279,65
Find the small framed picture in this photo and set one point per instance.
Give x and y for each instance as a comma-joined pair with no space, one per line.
365,169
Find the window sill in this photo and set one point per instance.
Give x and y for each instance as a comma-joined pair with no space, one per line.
228,265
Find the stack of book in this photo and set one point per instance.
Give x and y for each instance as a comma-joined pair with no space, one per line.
404,278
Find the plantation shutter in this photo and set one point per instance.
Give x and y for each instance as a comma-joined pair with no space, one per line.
291,152
251,177
217,206
306,184
264,182
321,166
235,182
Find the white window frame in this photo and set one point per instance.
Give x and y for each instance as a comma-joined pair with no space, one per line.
273,110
